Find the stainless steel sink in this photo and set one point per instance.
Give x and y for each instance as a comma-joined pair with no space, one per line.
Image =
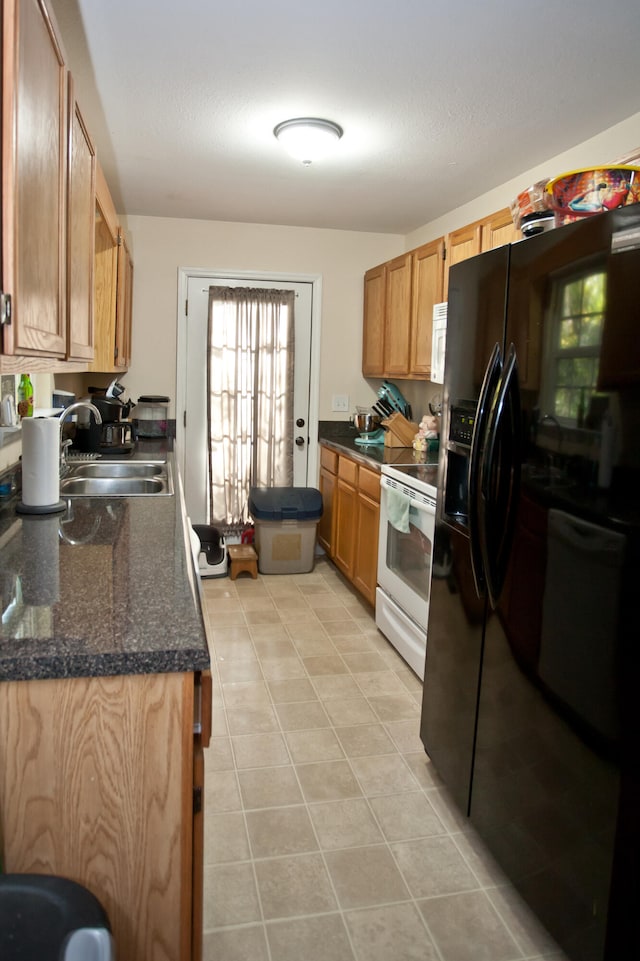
111,469
117,479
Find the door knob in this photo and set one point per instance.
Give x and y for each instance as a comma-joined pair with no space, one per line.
300,441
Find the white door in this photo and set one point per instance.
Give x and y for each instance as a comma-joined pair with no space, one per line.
192,422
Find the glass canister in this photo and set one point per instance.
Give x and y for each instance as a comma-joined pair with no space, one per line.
150,415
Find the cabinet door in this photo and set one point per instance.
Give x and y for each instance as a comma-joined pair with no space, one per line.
365,573
346,515
461,244
498,229
34,165
366,551
122,347
373,322
427,277
325,525
397,336
96,784
80,235
105,275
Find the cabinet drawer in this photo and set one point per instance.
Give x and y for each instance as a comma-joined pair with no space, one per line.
348,470
329,460
369,483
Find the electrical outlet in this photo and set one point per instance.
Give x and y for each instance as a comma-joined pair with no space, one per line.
340,402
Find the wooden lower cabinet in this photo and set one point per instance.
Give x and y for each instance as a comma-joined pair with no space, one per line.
354,505
97,780
327,486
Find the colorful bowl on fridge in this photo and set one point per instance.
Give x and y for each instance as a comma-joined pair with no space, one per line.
582,193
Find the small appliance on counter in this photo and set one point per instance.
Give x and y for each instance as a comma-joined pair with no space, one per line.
150,415
391,401
367,422
116,435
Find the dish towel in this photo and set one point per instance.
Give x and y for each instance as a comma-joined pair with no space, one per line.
398,507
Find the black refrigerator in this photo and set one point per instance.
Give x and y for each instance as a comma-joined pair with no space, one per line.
531,703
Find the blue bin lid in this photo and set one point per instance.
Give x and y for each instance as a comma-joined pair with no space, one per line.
285,503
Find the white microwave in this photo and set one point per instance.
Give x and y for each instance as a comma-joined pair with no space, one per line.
438,342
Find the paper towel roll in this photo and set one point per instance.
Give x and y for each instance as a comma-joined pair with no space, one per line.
40,461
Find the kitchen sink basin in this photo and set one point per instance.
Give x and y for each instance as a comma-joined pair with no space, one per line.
110,469
109,479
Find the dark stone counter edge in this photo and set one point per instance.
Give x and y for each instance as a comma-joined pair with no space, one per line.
59,667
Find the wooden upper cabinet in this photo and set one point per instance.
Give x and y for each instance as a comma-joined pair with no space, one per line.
398,311
122,346
373,322
34,179
397,331
113,285
460,245
427,290
80,235
485,234
498,229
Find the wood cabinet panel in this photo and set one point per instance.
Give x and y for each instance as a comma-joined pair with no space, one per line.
345,529
326,524
328,459
427,290
96,778
369,483
460,244
373,322
348,470
80,234
498,229
352,498
34,171
122,350
365,573
397,333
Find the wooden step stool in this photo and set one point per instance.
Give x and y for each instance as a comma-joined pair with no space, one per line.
243,558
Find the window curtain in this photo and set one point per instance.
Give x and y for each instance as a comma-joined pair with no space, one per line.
250,397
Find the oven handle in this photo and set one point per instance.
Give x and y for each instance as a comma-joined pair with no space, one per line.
422,502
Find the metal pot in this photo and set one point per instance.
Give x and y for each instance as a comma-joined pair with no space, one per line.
366,423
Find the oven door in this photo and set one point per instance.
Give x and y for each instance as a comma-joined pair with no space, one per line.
405,550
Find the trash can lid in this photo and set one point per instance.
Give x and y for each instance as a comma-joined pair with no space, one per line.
285,503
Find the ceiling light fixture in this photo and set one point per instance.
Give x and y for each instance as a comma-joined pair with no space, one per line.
307,138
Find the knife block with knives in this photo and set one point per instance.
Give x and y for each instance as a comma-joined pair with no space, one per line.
399,432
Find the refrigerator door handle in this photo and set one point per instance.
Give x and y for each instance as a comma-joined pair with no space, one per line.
478,443
500,478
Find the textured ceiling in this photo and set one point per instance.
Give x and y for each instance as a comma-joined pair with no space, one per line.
439,101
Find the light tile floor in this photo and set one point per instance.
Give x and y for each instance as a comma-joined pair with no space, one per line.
328,834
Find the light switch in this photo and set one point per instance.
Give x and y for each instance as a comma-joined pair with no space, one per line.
340,402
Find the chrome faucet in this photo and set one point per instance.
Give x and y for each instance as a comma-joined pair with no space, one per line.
63,416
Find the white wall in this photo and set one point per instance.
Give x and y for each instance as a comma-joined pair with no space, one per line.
160,246
606,148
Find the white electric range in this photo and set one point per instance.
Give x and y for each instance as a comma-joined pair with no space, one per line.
405,557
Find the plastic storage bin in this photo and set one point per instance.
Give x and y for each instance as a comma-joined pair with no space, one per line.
49,918
286,522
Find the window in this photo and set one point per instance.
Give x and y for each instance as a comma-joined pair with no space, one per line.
576,335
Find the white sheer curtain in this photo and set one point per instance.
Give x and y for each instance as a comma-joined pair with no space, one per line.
250,396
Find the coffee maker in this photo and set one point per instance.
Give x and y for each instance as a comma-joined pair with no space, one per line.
115,435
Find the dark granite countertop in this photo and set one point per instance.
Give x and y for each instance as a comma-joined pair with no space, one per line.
107,587
341,436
